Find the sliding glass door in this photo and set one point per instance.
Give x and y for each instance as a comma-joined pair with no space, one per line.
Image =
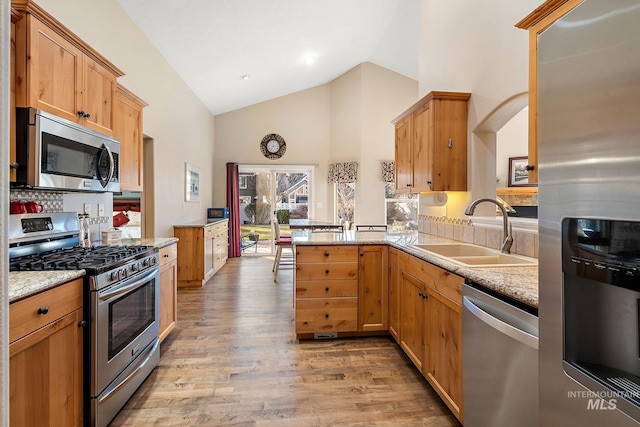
268,193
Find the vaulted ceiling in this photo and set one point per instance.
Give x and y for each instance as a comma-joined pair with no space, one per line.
281,46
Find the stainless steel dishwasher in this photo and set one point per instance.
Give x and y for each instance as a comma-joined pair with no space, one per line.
500,361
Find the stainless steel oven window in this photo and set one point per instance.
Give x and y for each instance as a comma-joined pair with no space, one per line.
129,316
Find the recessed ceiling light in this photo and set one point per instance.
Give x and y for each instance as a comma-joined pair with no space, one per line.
309,59
245,77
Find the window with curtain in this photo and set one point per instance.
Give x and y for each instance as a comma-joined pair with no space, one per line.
402,209
344,177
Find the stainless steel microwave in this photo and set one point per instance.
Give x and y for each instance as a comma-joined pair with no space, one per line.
54,153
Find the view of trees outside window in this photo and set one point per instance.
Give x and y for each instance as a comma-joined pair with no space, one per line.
271,194
345,201
402,209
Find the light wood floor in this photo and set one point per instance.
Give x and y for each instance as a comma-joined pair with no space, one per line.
234,360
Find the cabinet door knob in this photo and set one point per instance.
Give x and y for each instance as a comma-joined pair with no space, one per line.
326,315
326,253
529,167
43,310
14,165
82,324
326,289
450,145
81,113
326,271
87,115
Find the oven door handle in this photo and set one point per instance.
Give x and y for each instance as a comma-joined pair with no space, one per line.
123,289
109,392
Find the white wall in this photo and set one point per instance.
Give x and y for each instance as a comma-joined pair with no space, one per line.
473,46
302,119
511,141
348,119
181,127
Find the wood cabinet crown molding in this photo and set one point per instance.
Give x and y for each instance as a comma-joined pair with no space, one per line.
461,96
21,7
132,96
541,12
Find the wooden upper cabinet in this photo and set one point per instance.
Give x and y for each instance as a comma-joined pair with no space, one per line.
404,175
15,16
58,73
431,144
536,22
127,128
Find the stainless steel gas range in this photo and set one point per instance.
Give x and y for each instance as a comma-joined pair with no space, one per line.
121,300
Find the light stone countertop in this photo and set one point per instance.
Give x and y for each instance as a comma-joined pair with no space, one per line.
201,223
158,242
519,283
23,284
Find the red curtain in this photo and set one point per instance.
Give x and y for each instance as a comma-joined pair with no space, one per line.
233,202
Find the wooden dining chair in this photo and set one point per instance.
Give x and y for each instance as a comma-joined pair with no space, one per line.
282,241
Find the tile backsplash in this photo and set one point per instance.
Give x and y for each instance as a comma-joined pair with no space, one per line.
464,230
51,201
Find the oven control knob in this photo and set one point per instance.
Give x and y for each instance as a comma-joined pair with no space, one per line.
123,273
153,261
135,266
114,275
145,263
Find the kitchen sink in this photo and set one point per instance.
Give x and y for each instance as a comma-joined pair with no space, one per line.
457,250
476,256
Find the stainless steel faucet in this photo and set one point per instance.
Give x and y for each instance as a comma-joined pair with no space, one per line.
507,239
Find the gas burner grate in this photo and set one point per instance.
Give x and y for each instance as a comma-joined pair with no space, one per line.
76,258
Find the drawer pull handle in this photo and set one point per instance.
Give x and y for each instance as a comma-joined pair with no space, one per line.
326,253
326,289
326,271
43,310
326,315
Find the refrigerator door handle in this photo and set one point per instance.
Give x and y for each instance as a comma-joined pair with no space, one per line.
499,325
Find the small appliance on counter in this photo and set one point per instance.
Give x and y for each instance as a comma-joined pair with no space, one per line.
217,213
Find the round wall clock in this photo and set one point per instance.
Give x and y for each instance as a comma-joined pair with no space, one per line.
273,146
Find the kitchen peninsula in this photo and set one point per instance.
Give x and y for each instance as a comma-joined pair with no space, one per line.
369,283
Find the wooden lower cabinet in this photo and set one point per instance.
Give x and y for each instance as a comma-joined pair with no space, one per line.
326,294
394,294
373,287
202,251
430,326
168,289
45,358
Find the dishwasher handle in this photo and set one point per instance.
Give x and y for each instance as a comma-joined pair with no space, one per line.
499,325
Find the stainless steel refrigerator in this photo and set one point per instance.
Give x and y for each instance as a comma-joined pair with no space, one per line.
589,216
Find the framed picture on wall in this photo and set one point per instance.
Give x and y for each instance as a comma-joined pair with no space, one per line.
192,183
518,173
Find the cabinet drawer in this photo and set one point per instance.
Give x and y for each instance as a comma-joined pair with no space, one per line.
209,232
329,253
326,288
332,271
59,301
448,284
326,315
168,254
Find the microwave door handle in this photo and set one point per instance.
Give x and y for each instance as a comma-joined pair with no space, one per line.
111,167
